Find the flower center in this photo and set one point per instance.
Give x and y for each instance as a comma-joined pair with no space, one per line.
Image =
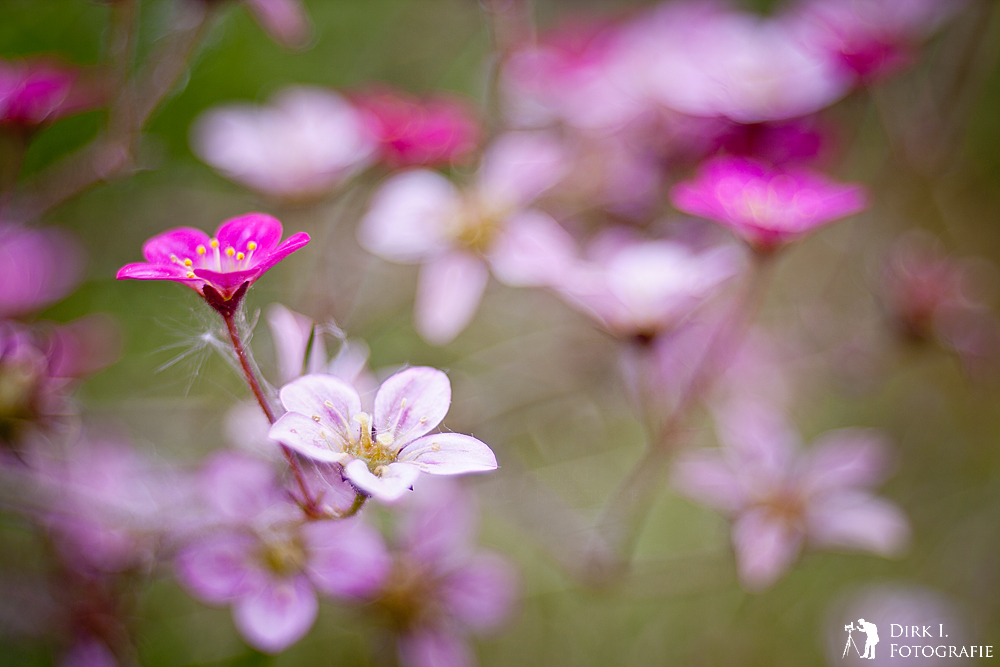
218,259
283,554
476,225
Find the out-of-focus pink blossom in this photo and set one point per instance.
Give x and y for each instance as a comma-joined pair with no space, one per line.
88,652
268,565
870,39
39,365
442,587
767,207
572,75
36,92
304,143
637,288
421,217
286,21
781,498
705,59
220,268
438,130
383,453
38,266
798,141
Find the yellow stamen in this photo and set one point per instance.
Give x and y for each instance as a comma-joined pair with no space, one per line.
201,250
230,252
188,262
252,245
240,256
214,243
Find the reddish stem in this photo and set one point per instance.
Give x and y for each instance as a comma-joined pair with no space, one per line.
310,506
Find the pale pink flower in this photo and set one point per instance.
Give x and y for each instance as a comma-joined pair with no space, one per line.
705,59
781,498
384,452
302,145
768,207
442,586
871,38
38,266
37,92
220,268
421,217
267,564
641,288
437,130
286,21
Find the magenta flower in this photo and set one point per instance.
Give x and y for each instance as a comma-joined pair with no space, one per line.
421,217
637,288
220,268
384,452
37,267
439,130
781,498
442,587
36,92
264,562
766,207
304,143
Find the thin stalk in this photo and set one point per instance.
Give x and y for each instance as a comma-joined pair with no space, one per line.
625,513
310,506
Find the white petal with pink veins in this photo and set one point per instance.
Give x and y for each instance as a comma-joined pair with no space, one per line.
448,294
395,479
410,404
449,454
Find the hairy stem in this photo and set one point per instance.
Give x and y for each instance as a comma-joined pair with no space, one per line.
310,505
625,513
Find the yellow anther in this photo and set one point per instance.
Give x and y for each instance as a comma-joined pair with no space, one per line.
380,469
214,243
230,252
252,245
385,439
190,274
201,250
423,420
435,447
240,256
188,262
329,404
173,258
316,418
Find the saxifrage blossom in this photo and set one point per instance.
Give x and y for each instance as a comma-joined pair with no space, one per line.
261,558
419,216
222,267
768,207
304,143
781,498
38,266
36,92
384,452
442,587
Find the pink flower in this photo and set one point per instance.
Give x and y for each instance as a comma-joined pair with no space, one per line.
38,266
301,146
439,130
637,288
286,21
704,59
266,563
421,217
871,38
36,92
442,587
383,453
220,268
767,207
781,498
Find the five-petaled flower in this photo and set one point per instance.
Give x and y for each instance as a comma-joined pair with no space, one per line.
222,267
382,453
767,207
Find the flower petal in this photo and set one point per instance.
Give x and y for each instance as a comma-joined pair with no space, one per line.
409,215
411,403
434,647
238,487
533,250
858,521
347,559
287,247
845,458
518,167
277,616
333,400
396,479
448,294
439,524
146,271
758,442
217,569
309,438
766,547
449,454
481,593
709,480
263,229
181,243
292,333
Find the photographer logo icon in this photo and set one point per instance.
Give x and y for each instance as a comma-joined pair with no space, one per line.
871,632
